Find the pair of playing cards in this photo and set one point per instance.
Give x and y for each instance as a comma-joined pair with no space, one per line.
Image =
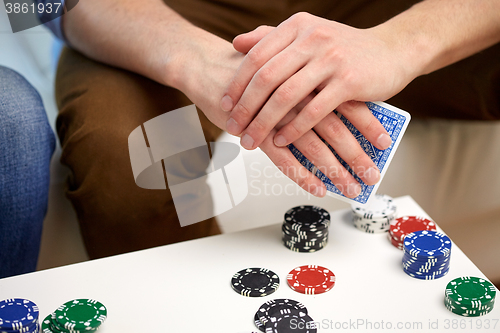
394,120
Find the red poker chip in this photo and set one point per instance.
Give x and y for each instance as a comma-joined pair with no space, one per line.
311,279
397,244
405,225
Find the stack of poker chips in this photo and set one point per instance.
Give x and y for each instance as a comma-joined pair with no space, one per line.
18,315
469,296
278,315
376,216
305,228
405,225
76,316
426,254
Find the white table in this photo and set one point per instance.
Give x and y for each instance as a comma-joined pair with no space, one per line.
185,287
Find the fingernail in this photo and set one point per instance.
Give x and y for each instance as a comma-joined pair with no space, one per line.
318,191
247,141
280,141
384,141
353,190
226,103
371,176
232,127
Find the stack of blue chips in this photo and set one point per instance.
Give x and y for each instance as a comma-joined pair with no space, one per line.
426,254
18,315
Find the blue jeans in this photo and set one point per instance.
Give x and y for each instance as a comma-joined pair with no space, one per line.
26,147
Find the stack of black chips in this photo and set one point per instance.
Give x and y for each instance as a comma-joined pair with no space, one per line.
305,228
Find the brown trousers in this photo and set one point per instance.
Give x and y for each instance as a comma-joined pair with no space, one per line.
101,105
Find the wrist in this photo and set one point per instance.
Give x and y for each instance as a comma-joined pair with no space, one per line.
413,51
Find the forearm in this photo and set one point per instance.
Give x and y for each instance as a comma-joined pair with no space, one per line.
436,33
145,37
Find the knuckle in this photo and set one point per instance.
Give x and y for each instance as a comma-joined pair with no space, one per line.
300,16
372,125
286,165
359,158
314,112
284,95
293,130
334,128
242,111
265,75
258,126
315,147
254,56
321,33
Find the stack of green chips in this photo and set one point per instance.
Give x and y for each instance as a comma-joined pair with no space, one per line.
470,296
76,316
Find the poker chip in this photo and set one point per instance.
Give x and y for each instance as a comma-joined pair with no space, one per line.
258,324
255,282
307,218
405,225
80,315
277,307
427,254
305,228
376,216
469,296
291,323
311,279
427,244
18,315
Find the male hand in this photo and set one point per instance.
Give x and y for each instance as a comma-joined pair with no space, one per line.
210,70
310,55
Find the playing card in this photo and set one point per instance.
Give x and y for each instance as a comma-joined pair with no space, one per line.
394,120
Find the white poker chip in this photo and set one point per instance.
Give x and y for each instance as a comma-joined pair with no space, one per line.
380,207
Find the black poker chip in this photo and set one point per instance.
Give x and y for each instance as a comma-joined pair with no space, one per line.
291,323
303,234
279,307
255,282
307,218
305,228
257,322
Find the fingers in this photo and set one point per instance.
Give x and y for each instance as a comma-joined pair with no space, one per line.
286,96
311,146
260,54
244,42
318,108
333,130
283,158
361,117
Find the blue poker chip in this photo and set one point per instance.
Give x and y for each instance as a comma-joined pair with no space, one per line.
26,329
429,276
410,262
421,271
410,258
17,313
427,244
291,323
433,270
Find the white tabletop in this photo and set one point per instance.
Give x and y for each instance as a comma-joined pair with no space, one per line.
185,287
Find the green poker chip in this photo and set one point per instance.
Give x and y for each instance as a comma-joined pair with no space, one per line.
462,311
471,292
80,315
47,325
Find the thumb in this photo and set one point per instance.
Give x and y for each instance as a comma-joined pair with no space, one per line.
244,42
